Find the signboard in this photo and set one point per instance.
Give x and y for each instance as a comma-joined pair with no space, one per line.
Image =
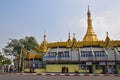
88,63
101,63
110,63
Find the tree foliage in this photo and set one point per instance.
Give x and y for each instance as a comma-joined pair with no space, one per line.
4,60
13,47
1,57
30,43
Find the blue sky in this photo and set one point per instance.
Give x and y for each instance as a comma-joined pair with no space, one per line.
20,18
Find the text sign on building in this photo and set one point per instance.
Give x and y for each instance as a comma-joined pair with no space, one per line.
101,63
88,63
111,63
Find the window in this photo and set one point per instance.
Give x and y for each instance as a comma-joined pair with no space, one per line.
83,55
86,54
100,54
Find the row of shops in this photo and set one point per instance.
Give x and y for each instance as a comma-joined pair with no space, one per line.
87,67
86,61
82,67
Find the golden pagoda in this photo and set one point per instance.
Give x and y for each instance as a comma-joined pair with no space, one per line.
90,34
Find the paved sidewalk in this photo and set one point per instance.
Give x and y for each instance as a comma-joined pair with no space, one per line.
28,76
66,74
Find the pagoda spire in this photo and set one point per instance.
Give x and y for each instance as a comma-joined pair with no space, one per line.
107,40
90,34
69,37
43,45
74,39
89,18
44,37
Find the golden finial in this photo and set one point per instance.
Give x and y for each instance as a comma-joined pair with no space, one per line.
107,34
44,44
69,40
69,36
107,40
44,35
89,18
74,39
88,11
73,35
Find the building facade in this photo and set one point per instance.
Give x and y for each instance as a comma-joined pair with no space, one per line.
88,56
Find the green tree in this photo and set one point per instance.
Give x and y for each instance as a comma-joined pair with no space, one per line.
13,47
30,43
4,60
1,59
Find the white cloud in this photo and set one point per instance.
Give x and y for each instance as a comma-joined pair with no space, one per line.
107,22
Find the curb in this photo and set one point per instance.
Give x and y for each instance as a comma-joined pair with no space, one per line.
66,74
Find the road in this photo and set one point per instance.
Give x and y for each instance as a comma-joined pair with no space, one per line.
39,77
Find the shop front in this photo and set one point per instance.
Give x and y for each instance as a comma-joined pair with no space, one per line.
86,67
112,67
103,67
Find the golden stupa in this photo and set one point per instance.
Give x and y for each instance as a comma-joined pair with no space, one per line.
90,34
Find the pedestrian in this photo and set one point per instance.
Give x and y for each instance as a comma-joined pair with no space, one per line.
64,69
67,70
